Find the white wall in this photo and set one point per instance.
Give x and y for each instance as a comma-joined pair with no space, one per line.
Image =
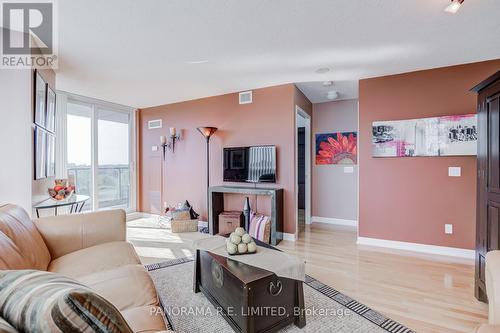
15,137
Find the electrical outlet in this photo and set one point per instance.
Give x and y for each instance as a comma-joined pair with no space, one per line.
154,148
348,169
448,229
165,204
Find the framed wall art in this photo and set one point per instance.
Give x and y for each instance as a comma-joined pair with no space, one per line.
336,148
437,136
40,100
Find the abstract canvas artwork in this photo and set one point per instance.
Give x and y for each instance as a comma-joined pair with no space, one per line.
437,136
336,148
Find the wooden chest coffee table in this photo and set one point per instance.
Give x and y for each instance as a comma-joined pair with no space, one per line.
251,299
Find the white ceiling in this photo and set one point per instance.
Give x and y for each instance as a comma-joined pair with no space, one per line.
137,53
317,92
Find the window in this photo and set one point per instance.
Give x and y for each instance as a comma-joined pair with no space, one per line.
79,149
113,159
100,155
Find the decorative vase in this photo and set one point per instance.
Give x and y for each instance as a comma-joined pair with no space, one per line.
246,212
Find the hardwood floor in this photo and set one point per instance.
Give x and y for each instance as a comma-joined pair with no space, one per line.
427,293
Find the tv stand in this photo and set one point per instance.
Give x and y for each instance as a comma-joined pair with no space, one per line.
216,206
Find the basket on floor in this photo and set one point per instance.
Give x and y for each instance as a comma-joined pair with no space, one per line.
179,226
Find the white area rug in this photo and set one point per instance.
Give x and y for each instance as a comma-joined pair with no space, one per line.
340,314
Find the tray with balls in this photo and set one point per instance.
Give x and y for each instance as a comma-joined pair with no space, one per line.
240,242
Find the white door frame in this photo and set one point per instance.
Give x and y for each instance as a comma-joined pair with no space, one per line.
301,113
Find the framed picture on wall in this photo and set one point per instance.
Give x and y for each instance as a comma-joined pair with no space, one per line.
50,121
40,100
337,148
436,136
51,155
40,153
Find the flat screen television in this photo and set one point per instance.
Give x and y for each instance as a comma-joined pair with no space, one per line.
256,164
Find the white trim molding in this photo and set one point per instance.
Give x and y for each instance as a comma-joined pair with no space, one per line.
138,215
289,237
416,247
329,220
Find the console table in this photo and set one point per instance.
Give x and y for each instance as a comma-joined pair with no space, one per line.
216,206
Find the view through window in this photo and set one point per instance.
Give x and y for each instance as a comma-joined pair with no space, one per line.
98,154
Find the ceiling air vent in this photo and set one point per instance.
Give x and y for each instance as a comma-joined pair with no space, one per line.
246,97
152,124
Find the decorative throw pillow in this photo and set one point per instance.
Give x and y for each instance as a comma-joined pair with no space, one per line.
39,301
260,227
181,214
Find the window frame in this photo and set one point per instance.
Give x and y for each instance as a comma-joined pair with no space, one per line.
95,104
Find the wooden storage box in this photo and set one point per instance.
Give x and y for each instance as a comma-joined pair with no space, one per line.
179,226
228,221
245,294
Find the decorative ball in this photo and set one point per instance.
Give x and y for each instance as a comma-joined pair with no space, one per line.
246,238
252,247
239,231
231,248
235,239
242,248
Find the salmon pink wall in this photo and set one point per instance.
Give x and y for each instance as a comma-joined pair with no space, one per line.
270,119
411,199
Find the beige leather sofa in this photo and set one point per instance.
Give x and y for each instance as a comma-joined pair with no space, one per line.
90,248
493,292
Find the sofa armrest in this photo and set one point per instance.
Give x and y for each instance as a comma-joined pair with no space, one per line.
488,329
64,234
493,286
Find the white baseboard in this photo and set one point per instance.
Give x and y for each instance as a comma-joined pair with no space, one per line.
289,237
329,220
138,215
415,247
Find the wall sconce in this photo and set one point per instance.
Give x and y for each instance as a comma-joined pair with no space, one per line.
169,144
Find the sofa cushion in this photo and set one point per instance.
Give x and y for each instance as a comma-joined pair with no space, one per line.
145,319
37,301
21,245
94,259
125,287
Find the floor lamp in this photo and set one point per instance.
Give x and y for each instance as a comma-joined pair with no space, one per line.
207,132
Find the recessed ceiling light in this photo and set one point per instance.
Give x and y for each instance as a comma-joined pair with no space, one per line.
332,94
327,83
322,70
197,62
454,6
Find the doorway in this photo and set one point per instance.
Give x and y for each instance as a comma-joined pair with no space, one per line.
303,169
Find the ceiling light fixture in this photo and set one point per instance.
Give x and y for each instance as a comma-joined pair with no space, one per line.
454,6
332,94
197,62
322,70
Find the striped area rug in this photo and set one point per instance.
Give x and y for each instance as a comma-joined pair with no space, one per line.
173,280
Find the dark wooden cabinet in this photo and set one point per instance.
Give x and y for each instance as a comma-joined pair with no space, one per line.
251,299
488,177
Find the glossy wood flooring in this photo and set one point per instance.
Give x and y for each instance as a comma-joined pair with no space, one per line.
427,293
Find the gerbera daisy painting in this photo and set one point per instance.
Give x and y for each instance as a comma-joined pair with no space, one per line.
336,148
